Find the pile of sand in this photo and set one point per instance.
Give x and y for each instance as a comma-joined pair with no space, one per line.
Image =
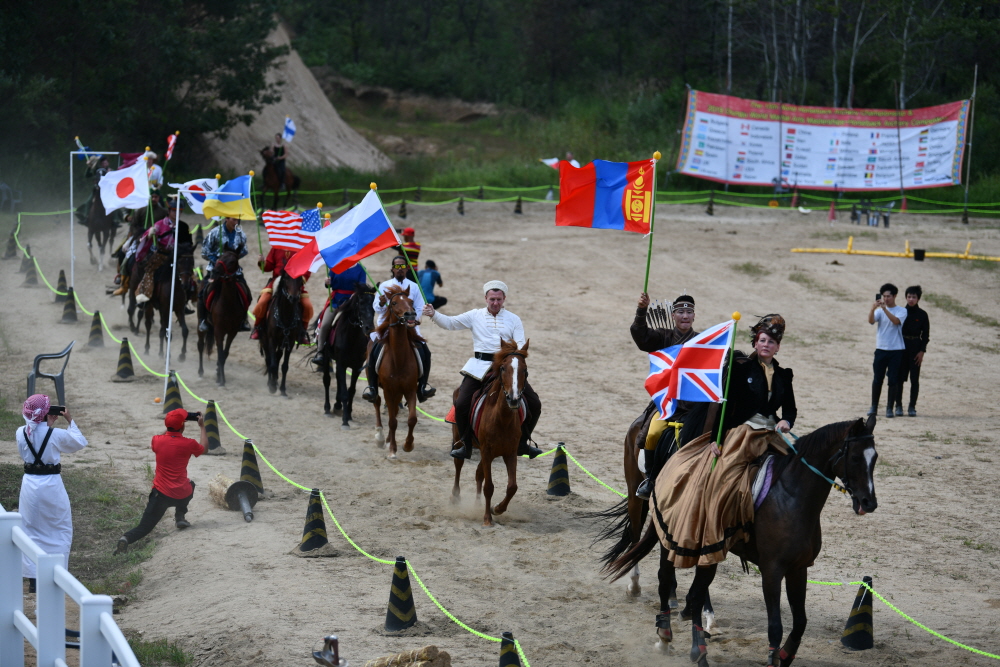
322,139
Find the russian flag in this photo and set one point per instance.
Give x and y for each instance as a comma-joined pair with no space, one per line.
362,231
606,195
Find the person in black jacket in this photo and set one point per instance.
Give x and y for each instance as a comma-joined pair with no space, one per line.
760,387
916,333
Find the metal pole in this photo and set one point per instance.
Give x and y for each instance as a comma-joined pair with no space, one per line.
968,144
173,286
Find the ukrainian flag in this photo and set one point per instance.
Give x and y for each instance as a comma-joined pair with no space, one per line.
231,200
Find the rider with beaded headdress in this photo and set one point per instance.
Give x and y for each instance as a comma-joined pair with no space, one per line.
651,340
490,326
227,236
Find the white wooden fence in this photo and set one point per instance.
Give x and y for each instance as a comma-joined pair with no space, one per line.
99,634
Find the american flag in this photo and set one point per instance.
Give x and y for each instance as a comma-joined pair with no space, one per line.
286,229
690,372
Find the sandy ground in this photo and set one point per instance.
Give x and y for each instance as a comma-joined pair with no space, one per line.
229,593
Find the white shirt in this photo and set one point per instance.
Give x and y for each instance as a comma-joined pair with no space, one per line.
889,336
415,296
62,441
156,176
487,332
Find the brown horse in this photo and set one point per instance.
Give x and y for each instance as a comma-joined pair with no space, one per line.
499,426
281,333
399,371
100,225
160,301
226,315
272,182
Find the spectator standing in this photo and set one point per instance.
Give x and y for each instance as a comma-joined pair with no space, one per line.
888,345
171,486
430,277
916,333
44,503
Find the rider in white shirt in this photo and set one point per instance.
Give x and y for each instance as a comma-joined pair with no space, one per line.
490,326
400,268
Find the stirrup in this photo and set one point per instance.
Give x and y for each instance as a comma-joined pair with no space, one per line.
523,448
425,392
645,489
369,394
462,451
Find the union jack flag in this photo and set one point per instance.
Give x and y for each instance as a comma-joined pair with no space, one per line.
692,371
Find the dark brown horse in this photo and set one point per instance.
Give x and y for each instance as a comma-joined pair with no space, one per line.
346,348
281,334
272,182
399,371
499,426
786,536
225,316
100,225
160,301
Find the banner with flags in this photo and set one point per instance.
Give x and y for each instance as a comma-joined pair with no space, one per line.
232,200
692,371
125,188
362,231
289,131
606,195
198,192
286,229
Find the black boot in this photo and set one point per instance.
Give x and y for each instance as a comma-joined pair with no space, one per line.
645,488
462,450
371,391
424,390
524,449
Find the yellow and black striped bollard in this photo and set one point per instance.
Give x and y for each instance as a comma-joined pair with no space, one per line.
212,430
402,209
858,632
461,205
172,401
69,308
124,372
559,477
517,206
314,532
401,613
508,651
26,260
11,251
30,276
61,287
249,471
96,331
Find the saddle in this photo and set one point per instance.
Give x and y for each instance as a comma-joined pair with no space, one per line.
478,401
381,353
241,290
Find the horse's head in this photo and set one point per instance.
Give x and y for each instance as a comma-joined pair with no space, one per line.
268,154
362,309
400,306
290,287
855,465
227,265
511,365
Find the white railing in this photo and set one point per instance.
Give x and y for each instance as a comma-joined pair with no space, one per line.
99,634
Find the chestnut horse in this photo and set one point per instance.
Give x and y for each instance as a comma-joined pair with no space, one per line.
291,183
499,426
225,317
281,333
786,536
399,371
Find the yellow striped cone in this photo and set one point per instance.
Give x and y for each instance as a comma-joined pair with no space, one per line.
858,632
517,207
30,276
249,472
559,477
124,372
172,401
212,430
402,210
508,651
461,205
61,287
96,331
11,251
26,260
401,614
314,533
69,308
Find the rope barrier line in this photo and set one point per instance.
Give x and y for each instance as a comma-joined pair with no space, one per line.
419,409
433,599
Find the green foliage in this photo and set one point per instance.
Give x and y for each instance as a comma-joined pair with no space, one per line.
752,269
157,653
10,419
953,305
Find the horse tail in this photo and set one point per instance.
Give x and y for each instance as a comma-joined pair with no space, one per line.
617,526
624,563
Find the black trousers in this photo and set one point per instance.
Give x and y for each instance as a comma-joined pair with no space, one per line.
425,359
886,362
155,509
463,406
908,369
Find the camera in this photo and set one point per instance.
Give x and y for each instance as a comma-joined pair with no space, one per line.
56,410
878,297
192,416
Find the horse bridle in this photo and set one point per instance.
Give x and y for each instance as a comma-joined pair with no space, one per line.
517,353
833,460
405,318
354,317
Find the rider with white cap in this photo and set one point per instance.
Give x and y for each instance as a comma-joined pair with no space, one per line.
489,326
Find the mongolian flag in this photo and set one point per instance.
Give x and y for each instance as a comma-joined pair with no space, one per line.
606,195
231,200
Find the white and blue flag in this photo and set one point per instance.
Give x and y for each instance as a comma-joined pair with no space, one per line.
289,132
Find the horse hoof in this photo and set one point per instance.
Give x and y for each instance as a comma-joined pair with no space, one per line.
709,618
182,358
672,602
455,499
408,447
662,646
271,389
93,262
392,457
633,589
496,511
345,427
379,438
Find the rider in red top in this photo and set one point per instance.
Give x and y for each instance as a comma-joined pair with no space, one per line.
275,263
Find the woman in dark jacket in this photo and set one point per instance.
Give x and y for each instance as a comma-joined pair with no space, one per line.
760,388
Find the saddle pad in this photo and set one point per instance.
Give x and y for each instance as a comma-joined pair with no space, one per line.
477,411
762,481
381,353
244,297
450,417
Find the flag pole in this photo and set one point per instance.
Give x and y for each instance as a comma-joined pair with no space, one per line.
652,219
402,247
253,205
725,395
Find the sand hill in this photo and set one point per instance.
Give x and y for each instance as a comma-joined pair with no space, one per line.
323,138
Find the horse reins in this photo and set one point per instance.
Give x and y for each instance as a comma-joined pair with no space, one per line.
399,320
841,453
499,377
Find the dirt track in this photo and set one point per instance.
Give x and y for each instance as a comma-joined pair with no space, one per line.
229,593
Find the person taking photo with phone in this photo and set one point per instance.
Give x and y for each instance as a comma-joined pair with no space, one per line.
888,344
171,486
44,503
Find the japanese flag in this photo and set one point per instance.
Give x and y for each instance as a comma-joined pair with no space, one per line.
125,188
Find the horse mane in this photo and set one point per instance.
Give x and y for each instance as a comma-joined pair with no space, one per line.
506,348
382,328
812,443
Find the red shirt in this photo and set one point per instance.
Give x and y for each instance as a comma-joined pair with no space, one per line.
173,451
276,260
